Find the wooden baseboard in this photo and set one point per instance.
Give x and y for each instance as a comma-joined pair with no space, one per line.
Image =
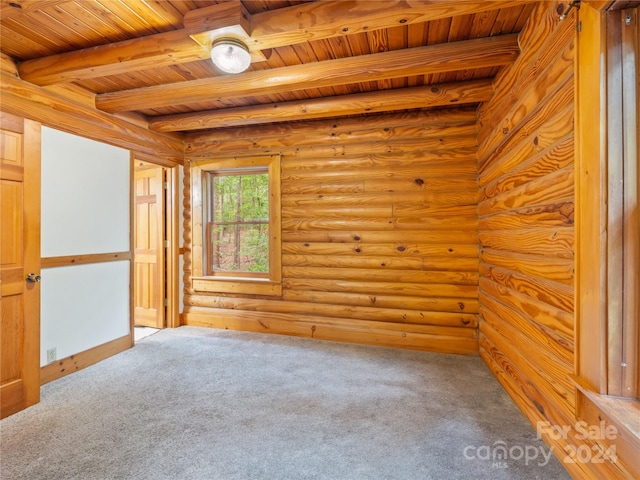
338,330
66,366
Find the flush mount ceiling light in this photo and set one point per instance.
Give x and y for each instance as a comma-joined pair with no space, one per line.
230,55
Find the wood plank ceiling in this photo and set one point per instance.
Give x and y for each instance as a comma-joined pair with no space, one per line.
310,59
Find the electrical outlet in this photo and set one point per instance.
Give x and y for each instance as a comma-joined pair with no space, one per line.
51,355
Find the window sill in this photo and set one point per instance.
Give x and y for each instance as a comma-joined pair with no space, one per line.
623,414
240,285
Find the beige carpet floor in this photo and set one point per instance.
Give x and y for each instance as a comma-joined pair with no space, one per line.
192,403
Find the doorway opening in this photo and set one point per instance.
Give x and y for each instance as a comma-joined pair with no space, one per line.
142,332
149,284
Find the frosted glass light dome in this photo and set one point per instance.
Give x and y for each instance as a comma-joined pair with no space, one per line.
230,55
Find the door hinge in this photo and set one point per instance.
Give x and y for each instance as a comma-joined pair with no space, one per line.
165,185
166,302
166,244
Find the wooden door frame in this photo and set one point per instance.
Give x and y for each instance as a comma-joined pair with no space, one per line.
172,229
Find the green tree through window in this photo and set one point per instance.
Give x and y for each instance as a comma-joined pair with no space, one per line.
238,227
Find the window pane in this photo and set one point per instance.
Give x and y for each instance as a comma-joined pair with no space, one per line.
241,198
239,228
240,248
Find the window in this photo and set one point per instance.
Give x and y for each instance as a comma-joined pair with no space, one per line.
607,203
607,219
237,230
236,225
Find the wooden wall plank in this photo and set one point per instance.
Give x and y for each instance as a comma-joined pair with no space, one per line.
346,235
550,320
382,288
383,275
549,134
555,157
323,329
539,34
560,270
384,198
544,78
548,292
384,262
342,310
536,409
530,113
455,154
526,161
22,98
439,304
557,214
378,237
548,372
543,338
400,249
552,242
557,185
413,148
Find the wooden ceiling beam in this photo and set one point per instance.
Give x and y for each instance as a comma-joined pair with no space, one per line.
162,49
458,93
325,131
326,19
272,29
446,57
151,51
339,127
54,110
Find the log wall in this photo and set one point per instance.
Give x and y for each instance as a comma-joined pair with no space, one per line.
379,231
67,110
526,233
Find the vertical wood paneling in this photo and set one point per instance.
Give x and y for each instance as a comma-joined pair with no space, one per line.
526,231
379,229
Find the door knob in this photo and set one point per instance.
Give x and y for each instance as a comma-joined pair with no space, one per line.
33,278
